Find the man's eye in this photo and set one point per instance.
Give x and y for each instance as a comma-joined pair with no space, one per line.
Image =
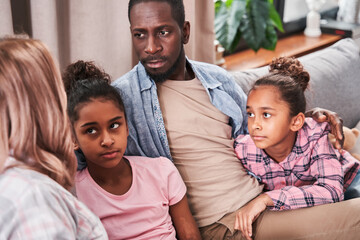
267,115
138,35
90,131
250,114
114,125
164,33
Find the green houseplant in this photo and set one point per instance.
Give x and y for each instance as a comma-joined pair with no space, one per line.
253,20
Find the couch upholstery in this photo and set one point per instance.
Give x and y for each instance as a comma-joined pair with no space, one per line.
334,79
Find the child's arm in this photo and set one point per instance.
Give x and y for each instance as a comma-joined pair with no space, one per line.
322,183
184,223
249,213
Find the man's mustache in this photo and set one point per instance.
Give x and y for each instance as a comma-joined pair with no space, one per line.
153,58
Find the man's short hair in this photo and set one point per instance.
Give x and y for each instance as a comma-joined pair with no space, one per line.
177,9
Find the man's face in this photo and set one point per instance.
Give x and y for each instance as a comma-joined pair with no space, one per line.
158,40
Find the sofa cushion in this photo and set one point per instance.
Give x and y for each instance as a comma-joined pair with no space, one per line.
334,79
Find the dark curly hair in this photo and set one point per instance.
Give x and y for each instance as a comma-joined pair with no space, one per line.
84,82
291,79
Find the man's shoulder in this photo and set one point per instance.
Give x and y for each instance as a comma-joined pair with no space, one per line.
126,79
209,68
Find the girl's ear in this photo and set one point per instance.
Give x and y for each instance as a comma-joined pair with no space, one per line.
297,122
76,146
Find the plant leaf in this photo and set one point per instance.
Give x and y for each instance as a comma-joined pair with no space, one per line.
253,27
274,17
271,38
227,22
228,3
235,42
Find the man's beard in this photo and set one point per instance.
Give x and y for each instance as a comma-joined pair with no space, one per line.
162,77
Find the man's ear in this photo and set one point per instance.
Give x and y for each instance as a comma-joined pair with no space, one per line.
297,122
186,32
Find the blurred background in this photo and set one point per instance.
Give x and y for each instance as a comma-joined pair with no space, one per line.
99,30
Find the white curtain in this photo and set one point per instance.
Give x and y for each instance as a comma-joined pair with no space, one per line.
6,26
98,30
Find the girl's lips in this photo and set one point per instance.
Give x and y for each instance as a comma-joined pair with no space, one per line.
155,64
258,138
110,155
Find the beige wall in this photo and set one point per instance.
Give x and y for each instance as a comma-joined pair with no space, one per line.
98,30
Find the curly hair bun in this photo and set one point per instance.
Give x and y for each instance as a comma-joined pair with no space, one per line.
81,70
291,67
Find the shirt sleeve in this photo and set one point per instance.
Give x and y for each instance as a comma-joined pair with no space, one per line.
325,182
240,147
45,215
176,186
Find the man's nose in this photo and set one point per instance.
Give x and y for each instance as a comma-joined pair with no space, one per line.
153,46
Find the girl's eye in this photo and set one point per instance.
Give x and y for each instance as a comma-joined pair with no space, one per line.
267,115
114,125
90,131
250,114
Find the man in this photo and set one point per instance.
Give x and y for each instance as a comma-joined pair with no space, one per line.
190,112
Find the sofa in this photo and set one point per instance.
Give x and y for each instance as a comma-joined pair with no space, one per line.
334,81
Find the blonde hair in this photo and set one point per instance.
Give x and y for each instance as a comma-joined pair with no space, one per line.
34,127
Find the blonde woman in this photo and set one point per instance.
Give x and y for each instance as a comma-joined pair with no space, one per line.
37,163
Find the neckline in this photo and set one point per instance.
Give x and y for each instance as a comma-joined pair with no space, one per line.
108,194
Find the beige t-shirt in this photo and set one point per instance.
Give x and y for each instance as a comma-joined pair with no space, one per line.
202,149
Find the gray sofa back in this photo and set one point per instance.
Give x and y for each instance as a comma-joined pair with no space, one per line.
334,79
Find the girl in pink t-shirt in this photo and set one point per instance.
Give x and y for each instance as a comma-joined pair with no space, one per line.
134,197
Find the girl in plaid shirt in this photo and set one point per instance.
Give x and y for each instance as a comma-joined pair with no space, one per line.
288,153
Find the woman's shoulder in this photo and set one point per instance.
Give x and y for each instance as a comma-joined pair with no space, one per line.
16,182
19,184
27,193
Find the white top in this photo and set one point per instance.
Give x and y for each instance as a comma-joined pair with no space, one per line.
33,206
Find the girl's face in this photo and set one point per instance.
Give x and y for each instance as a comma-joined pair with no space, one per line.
269,120
101,133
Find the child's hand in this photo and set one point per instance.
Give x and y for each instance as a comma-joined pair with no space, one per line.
249,213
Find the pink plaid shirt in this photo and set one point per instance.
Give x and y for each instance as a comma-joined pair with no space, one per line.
312,174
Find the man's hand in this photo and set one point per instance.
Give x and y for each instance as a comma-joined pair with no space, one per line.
249,213
336,123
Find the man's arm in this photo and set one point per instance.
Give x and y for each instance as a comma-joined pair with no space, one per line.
184,223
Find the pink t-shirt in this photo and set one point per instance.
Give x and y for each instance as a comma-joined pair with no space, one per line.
142,212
